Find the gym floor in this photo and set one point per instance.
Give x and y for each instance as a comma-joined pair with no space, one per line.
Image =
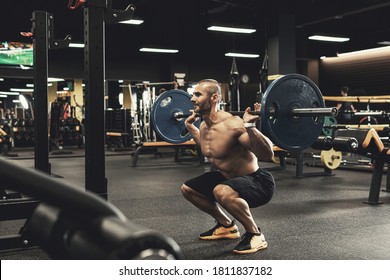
312,218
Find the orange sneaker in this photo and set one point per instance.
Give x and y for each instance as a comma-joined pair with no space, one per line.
221,232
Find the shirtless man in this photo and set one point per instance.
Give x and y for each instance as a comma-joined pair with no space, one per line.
233,147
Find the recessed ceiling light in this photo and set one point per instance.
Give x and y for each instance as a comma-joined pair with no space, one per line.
384,43
158,50
132,21
76,45
328,38
22,89
387,48
246,55
55,79
231,29
9,93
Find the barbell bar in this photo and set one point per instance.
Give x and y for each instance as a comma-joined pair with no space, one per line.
366,113
155,83
295,112
292,113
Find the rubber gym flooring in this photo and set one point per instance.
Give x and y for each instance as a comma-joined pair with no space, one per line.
313,218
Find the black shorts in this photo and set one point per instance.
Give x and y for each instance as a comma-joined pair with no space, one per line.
256,189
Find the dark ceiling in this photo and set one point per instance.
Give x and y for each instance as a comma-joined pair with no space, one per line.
182,24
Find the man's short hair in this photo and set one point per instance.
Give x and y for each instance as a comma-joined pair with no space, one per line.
345,89
214,87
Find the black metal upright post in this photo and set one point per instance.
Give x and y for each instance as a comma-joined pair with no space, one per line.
234,88
263,84
94,67
376,181
40,29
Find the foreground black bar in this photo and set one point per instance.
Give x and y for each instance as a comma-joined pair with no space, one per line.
41,46
58,192
94,67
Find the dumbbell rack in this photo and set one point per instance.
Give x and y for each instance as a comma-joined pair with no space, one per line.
23,130
70,132
118,128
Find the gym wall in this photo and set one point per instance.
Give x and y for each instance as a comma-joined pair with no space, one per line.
364,74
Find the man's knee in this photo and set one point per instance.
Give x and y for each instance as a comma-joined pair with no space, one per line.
185,190
223,194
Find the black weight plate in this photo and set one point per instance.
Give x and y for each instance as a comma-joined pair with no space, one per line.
282,95
164,124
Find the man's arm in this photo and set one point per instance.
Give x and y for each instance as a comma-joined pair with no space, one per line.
189,122
257,143
253,139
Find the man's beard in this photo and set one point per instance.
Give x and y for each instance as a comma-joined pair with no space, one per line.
203,107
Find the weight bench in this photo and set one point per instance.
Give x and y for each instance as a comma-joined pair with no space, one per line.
163,144
116,139
371,145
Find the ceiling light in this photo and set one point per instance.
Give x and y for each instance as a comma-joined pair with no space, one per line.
3,96
158,50
21,89
384,43
132,21
23,101
55,79
328,38
247,55
32,85
365,51
9,93
76,45
231,29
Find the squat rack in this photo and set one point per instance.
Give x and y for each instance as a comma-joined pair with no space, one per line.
96,14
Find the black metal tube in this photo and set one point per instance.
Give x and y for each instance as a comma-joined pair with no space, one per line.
323,143
345,144
376,181
37,184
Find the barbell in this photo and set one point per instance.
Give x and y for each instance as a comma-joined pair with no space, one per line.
292,113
